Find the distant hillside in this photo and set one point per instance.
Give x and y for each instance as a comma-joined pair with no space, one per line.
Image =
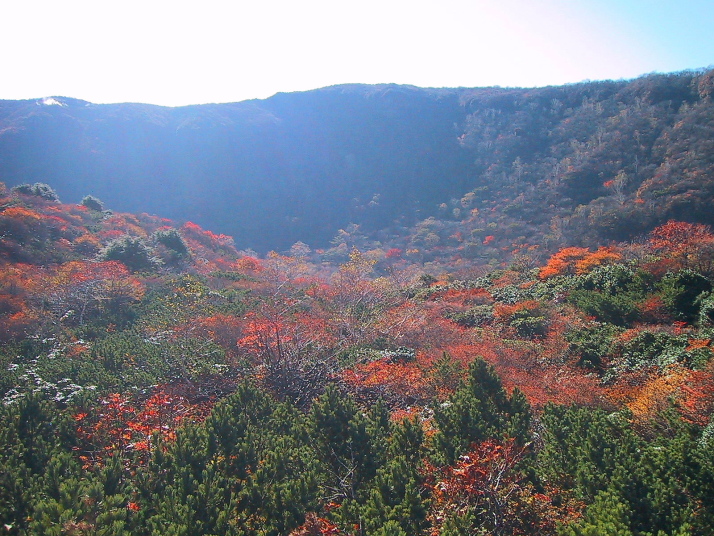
583,163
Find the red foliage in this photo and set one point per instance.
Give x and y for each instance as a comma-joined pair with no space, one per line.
654,311
208,239
510,277
121,424
16,317
684,245
465,297
293,353
275,338
696,402
537,368
401,384
224,330
487,482
675,236
316,526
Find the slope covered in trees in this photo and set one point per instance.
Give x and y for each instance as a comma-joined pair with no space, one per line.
450,169
155,380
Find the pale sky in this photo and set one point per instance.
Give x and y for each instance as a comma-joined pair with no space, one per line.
175,53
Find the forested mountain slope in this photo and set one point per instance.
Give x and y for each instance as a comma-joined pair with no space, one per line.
583,163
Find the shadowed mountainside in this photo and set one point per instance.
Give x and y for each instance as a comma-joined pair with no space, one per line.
583,163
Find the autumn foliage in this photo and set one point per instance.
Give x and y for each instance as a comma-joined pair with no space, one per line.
378,395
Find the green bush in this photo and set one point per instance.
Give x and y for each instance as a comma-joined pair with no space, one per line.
658,349
617,309
171,239
612,293
92,203
477,316
132,252
39,189
706,310
592,344
682,293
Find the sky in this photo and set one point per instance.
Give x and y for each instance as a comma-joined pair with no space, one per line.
175,53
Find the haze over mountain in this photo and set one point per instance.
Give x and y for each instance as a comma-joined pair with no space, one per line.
301,166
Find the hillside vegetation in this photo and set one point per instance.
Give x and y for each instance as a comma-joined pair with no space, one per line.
438,172
157,381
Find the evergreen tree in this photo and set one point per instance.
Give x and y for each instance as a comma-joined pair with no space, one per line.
479,410
341,439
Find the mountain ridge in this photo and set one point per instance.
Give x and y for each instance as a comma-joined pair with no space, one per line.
303,166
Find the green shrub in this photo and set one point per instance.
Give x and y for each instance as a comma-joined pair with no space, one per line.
706,310
92,203
592,344
612,293
477,316
171,239
659,349
618,309
39,189
682,293
132,252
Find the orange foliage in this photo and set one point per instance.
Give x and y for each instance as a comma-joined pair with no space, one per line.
87,244
563,262
404,384
410,413
249,264
509,277
467,297
316,526
20,213
76,284
504,312
696,344
17,325
125,224
697,396
604,255
656,394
